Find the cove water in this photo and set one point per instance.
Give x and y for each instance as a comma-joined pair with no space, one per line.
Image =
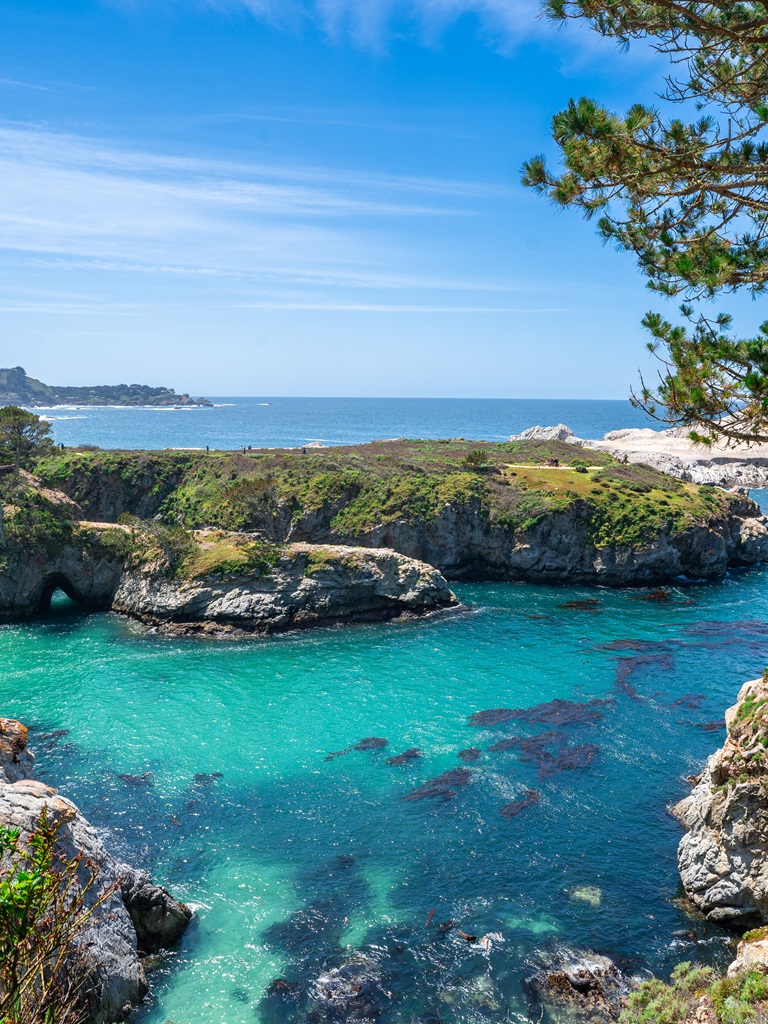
292,422
296,864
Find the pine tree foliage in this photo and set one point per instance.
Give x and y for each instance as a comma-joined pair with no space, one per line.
687,195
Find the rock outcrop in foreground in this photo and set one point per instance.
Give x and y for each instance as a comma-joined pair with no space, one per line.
723,858
307,586
139,917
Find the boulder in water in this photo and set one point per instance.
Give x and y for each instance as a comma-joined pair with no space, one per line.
573,987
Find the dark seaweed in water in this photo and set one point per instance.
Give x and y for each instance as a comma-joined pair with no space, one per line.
145,779
627,667
529,798
369,743
206,778
742,627
550,752
709,726
555,712
661,596
589,605
692,701
441,788
531,748
469,754
406,757
633,645
569,759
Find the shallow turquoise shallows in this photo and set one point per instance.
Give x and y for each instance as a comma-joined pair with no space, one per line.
294,862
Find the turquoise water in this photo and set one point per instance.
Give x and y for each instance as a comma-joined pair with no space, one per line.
295,863
290,422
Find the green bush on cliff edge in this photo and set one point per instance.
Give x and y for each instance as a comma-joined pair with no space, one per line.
738,1000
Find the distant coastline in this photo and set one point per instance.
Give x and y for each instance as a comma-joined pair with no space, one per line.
17,388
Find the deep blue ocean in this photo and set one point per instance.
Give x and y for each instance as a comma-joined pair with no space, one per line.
292,422
297,865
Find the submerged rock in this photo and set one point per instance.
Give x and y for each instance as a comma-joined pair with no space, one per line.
569,759
145,779
575,987
589,605
353,991
723,858
591,894
550,752
137,917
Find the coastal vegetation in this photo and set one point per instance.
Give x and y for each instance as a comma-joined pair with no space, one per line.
349,491
24,437
698,993
689,198
44,909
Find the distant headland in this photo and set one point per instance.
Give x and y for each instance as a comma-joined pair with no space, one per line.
16,388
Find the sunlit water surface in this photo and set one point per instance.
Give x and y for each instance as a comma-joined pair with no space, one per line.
294,863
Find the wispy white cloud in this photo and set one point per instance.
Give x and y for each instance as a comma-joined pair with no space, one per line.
95,207
370,307
14,83
373,22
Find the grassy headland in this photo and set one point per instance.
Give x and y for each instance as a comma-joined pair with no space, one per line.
351,490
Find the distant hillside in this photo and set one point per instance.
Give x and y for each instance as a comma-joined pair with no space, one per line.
16,388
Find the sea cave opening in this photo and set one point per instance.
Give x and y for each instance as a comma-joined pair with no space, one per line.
60,597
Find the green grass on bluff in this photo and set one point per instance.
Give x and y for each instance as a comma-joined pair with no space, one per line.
351,490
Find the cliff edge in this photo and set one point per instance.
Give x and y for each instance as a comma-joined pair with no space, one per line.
138,917
723,858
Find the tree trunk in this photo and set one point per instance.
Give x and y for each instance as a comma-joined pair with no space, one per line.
3,538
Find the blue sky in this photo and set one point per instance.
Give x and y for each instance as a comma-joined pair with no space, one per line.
309,197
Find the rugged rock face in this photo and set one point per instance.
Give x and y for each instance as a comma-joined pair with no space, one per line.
138,917
491,525
88,574
559,549
723,858
310,585
573,987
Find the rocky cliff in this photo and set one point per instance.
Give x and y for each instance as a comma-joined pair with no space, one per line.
538,510
306,585
138,917
210,580
723,857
